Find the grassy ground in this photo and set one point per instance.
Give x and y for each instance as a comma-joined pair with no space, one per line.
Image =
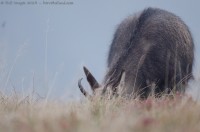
180,114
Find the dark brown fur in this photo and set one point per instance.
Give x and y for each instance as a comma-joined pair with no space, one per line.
154,46
150,47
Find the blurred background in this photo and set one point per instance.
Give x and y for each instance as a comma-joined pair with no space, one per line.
44,46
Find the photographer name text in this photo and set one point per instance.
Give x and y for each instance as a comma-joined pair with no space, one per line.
47,2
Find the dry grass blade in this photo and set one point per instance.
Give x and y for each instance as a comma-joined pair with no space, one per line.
110,115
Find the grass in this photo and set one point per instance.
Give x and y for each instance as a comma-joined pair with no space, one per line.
180,114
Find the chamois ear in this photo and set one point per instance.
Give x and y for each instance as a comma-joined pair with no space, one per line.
91,80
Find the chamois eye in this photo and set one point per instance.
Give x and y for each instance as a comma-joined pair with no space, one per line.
152,53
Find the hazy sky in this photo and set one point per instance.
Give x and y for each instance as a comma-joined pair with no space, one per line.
45,46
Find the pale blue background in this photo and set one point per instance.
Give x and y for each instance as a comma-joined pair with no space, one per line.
74,35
